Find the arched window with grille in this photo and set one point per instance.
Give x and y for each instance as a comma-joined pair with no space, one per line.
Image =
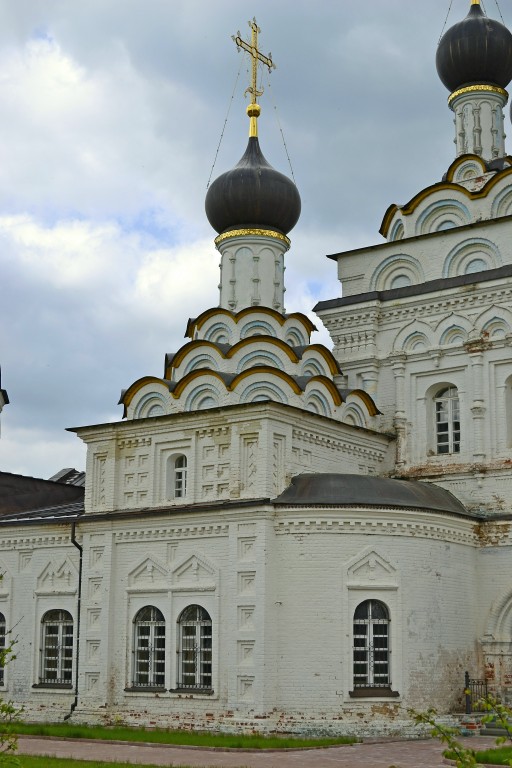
2,646
371,646
149,648
195,650
56,648
447,411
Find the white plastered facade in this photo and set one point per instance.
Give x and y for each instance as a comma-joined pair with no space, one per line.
187,501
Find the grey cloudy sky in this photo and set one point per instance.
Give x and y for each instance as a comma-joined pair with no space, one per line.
111,112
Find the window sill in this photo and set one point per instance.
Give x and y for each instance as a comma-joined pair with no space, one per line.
53,686
193,691
373,693
145,689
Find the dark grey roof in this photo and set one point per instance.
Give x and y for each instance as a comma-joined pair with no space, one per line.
253,194
366,490
475,50
60,514
69,476
19,493
430,286
299,351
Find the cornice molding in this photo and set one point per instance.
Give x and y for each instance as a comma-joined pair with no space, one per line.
343,446
440,531
25,542
162,534
434,307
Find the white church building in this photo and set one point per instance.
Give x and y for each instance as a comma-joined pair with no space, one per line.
278,536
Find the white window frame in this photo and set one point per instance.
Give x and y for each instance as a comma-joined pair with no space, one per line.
447,421
149,648
180,476
195,650
57,648
371,647
176,477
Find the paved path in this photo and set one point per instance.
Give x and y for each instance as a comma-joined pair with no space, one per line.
399,754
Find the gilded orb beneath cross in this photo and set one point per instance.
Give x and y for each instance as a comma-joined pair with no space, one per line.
254,110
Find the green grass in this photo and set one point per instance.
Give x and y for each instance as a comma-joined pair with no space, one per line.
27,761
194,738
495,756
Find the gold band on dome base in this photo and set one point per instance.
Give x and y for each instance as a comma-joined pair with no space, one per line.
472,88
253,232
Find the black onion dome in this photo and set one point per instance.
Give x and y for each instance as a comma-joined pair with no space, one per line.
253,194
477,50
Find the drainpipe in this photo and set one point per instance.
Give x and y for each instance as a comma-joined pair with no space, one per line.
79,600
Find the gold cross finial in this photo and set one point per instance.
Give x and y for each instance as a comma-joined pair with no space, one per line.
254,109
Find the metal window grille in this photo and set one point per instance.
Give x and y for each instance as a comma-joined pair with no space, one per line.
195,649
180,477
476,690
56,647
149,648
2,648
371,645
448,421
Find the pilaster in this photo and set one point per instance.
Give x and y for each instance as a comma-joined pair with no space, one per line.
400,419
478,409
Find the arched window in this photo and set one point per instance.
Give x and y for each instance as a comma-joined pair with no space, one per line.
149,648
447,420
2,647
177,477
56,648
195,649
371,645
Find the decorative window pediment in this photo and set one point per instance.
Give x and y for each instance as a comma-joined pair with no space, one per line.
59,578
195,572
369,569
149,573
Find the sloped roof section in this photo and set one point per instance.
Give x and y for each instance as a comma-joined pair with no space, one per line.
19,493
365,490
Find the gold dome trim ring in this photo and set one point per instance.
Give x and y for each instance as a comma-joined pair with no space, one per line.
253,232
472,88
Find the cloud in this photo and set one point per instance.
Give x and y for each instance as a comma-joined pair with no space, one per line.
83,297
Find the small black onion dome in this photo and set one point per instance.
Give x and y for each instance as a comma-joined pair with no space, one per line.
253,194
477,50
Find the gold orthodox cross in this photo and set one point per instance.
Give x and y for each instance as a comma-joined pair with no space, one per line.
253,110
